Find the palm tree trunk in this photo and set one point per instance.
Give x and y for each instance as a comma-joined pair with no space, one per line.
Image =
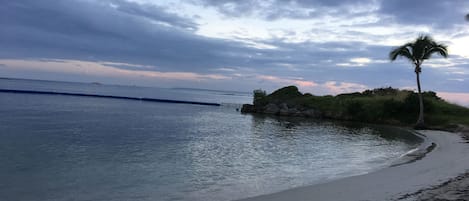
420,122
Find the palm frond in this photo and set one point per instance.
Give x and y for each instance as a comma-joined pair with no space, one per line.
438,48
421,46
402,51
419,50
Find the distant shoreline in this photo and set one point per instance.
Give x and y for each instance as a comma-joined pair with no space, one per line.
130,85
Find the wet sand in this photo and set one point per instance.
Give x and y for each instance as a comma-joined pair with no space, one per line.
453,189
441,172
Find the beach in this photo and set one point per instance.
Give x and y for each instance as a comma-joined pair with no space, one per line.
438,175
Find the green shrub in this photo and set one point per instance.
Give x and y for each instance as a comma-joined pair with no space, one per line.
284,93
259,97
430,94
411,103
392,108
353,107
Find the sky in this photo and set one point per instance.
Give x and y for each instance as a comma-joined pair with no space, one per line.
321,46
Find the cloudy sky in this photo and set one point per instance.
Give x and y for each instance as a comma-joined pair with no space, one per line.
322,46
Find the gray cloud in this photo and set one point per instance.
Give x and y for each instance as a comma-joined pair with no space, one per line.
279,9
440,14
119,31
154,13
97,31
89,31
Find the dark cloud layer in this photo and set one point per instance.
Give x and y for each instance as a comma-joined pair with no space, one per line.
116,31
97,31
279,9
155,13
441,13
141,34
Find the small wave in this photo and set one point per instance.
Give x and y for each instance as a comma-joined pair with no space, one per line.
414,154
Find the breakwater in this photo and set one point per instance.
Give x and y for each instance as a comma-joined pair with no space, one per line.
108,96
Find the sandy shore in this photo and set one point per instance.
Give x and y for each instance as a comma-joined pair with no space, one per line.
454,189
441,172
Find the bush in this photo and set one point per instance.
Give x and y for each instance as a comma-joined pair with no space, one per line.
384,91
259,97
354,107
289,95
430,94
350,95
411,104
392,108
289,92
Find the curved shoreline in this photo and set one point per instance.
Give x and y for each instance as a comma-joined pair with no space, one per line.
447,160
425,147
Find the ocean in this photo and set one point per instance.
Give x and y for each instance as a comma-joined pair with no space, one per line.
59,147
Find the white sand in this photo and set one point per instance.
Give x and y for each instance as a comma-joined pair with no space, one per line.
448,159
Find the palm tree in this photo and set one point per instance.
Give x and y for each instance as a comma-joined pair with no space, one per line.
418,51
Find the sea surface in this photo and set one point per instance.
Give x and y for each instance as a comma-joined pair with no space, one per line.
57,147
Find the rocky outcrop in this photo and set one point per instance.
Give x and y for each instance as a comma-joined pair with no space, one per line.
312,113
248,108
282,109
281,103
271,109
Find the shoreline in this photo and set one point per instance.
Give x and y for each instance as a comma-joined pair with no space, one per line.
442,166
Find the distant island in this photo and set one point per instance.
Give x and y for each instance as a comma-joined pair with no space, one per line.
381,105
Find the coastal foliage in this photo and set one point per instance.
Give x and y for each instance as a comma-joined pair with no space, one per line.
258,95
382,105
417,52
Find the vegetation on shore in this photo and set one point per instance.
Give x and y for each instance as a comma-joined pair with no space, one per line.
382,105
417,52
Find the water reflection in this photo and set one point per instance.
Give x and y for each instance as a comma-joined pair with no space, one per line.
286,125
66,148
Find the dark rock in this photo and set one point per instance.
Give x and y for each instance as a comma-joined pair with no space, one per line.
248,108
295,112
311,113
284,110
271,109
331,115
283,106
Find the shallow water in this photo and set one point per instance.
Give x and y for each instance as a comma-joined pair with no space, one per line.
81,148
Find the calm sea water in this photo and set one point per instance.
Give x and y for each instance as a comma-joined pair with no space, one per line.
82,148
